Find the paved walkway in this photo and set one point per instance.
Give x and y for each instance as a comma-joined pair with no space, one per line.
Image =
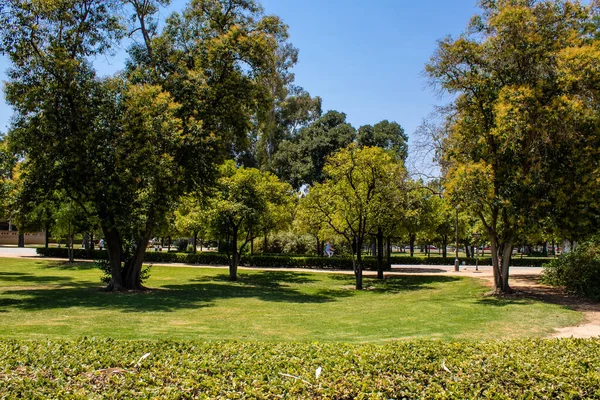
13,251
525,280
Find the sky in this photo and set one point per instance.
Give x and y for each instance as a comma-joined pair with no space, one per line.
363,58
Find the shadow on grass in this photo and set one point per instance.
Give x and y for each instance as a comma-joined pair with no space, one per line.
270,286
31,278
504,301
76,266
396,283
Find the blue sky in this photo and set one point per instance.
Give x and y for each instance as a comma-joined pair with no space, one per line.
364,58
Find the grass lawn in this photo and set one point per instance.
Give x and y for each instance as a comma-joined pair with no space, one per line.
43,299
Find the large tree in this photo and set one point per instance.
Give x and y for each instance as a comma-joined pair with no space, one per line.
245,201
360,184
525,117
132,145
301,159
387,135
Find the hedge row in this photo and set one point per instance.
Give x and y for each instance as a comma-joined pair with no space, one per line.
279,261
211,258
91,368
516,262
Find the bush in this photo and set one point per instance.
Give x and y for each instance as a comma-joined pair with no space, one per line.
287,243
115,369
104,266
63,252
516,262
577,271
336,262
181,244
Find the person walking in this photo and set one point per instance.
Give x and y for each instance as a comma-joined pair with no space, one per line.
329,249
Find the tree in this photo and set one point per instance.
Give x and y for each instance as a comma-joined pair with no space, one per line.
300,161
360,182
291,113
192,218
132,145
387,135
245,199
525,116
7,163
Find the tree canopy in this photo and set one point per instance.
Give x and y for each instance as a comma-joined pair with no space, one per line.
525,118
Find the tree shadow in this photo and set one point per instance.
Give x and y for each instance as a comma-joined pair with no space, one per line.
396,283
76,266
418,270
200,292
267,279
31,278
493,301
269,286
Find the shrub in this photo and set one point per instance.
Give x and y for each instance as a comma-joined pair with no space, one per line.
104,266
63,252
287,243
577,271
115,369
517,262
337,262
181,244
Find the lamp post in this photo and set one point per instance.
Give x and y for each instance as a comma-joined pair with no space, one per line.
477,236
456,261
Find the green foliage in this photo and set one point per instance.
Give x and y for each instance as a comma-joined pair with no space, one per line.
288,243
301,159
522,130
169,369
387,135
577,271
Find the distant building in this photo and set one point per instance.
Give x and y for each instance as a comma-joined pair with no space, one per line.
9,234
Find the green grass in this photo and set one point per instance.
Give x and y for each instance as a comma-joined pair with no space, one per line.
42,299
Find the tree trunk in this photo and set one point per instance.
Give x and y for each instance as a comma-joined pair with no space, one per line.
501,255
358,268
374,246
112,240
233,263
194,242
133,271
467,250
21,242
389,252
92,241
444,245
71,239
86,244
545,249
169,245
265,243
46,235
413,237
380,253
319,250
